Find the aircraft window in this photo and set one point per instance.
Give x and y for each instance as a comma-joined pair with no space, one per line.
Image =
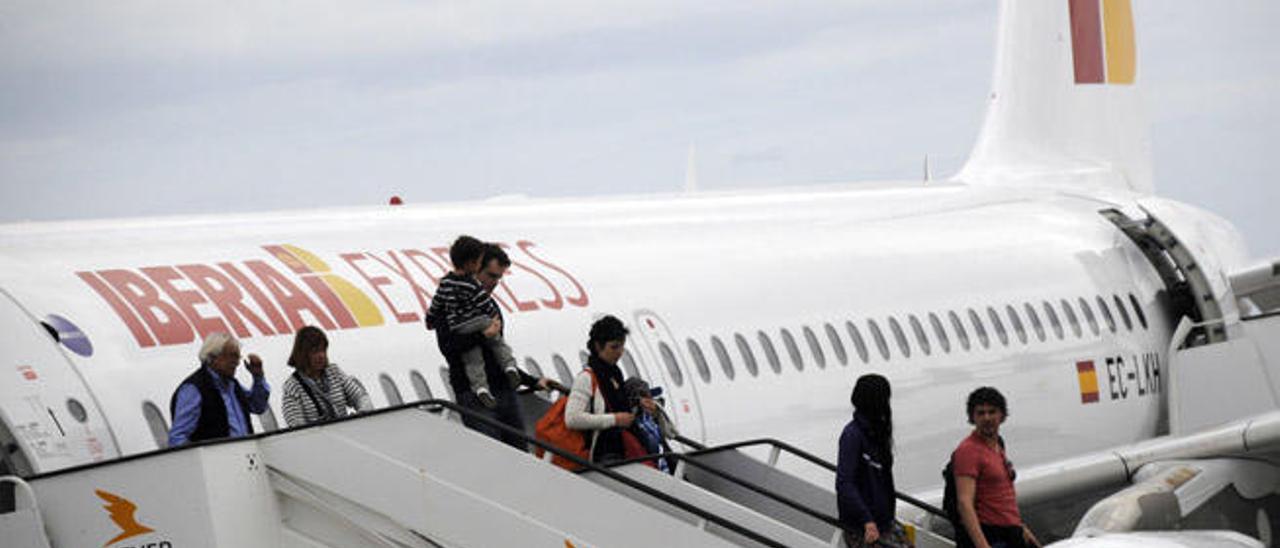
770,353
420,386
998,325
562,369
629,364
1106,314
1088,315
156,423
940,332
979,329
899,336
1124,312
919,331
818,357
77,410
859,345
1035,320
531,367
1053,319
1016,322
958,327
879,337
448,386
1137,310
723,354
1071,318
792,350
268,420
673,368
390,390
748,359
837,344
699,360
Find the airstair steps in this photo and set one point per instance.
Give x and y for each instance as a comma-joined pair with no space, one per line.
412,477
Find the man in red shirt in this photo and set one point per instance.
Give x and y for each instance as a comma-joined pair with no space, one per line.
984,477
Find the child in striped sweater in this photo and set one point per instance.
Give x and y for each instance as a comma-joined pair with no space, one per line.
464,307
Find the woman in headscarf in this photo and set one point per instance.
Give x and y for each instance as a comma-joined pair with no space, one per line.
318,391
597,403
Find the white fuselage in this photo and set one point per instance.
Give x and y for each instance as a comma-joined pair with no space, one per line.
676,269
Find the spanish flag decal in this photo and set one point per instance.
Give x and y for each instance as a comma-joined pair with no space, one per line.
1102,44
1088,382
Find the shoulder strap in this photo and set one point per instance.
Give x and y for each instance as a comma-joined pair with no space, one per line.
325,413
591,400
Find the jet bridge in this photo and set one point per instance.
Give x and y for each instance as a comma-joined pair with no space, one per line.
410,476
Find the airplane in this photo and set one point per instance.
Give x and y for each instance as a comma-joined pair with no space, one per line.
1047,267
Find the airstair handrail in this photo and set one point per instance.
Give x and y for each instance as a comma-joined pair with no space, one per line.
688,460
433,405
613,475
784,446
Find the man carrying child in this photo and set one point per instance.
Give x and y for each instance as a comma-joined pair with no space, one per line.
460,307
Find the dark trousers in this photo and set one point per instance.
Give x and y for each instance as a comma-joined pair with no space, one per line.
507,412
998,536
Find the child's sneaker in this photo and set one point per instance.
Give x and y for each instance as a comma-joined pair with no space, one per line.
486,399
513,376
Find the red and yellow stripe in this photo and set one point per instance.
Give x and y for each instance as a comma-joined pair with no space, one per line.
1102,41
349,305
1088,382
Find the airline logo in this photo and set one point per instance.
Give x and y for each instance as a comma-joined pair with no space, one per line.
1102,46
121,511
167,305
1088,382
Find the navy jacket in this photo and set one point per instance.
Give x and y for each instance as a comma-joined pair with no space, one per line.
864,484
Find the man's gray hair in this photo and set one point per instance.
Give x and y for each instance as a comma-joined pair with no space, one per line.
213,345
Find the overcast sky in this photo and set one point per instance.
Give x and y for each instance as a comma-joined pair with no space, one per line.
141,108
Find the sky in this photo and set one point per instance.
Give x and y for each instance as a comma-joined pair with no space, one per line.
127,108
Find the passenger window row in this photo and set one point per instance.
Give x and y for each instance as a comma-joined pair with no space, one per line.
924,334
1035,316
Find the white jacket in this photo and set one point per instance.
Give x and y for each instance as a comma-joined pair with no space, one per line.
583,400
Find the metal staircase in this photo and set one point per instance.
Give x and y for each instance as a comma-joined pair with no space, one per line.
735,478
410,476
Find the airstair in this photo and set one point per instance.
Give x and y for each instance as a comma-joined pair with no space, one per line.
412,476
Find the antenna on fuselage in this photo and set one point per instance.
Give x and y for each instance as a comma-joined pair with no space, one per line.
691,170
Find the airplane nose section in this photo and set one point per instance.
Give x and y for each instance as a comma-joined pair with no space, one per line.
48,418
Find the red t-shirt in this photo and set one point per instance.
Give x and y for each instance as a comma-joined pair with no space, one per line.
995,500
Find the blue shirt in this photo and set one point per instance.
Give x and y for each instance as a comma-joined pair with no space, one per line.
652,438
187,407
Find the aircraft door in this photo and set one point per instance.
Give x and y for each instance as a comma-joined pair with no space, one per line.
662,349
48,418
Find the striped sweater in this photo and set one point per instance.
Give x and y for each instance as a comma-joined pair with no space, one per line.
342,391
459,298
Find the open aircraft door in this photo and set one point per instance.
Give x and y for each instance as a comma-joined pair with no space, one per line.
48,418
662,349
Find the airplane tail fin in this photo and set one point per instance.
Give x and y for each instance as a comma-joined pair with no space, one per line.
1064,107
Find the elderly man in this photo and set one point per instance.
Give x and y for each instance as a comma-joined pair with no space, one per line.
210,403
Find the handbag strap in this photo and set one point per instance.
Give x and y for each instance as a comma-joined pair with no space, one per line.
325,409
